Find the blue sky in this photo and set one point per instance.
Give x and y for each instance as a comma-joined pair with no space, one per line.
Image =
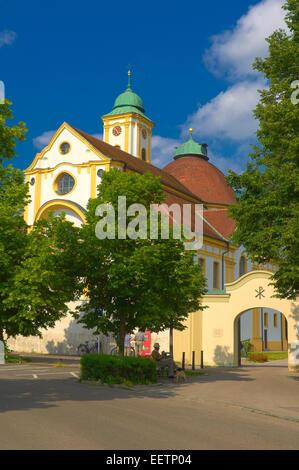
190,62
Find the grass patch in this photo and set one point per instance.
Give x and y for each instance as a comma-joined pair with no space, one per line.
193,372
17,359
276,355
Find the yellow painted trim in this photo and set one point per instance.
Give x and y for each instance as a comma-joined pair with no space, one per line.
57,205
106,134
247,277
55,136
127,131
26,208
55,183
138,140
210,205
37,193
149,133
93,181
135,116
75,165
216,298
64,142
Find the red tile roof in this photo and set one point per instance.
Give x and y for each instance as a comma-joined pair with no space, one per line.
217,218
221,221
137,164
203,179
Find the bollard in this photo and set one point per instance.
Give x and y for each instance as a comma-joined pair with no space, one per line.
201,359
183,361
193,360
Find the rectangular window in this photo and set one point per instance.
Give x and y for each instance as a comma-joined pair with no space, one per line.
215,275
201,261
266,319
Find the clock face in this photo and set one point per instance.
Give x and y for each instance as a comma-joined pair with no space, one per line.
144,133
116,130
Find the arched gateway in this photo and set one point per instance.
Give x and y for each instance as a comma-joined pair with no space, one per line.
215,330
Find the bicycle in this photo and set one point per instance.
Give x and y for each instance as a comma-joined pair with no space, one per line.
115,351
86,349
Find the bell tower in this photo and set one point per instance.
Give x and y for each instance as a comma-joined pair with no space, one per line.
127,126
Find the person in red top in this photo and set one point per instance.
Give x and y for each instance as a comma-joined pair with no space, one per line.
163,361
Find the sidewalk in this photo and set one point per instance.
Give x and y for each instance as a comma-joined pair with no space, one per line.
49,358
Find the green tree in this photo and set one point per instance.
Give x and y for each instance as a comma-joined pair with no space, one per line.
43,280
13,192
267,211
146,283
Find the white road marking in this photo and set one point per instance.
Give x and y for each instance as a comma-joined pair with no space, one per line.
24,368
34,376
44,373
75,375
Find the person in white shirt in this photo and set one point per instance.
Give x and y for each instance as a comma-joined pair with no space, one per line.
139,339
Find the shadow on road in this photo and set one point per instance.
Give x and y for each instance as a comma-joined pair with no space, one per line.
23,394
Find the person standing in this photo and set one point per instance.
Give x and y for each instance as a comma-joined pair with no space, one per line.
139,339
128,339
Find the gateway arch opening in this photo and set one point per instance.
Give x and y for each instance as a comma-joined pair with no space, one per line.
260,330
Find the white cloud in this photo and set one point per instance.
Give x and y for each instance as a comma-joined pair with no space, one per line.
7,37
233,52
162,150
42,140
228,115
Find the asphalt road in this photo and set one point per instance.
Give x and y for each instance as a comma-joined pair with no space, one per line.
44,407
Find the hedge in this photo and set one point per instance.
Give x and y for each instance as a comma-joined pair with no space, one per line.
114,369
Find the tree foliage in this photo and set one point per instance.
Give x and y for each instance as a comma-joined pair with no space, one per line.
267,212
147,283
36,266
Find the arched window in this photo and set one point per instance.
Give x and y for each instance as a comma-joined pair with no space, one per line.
64,184
143,154
242,266
275,323
215,275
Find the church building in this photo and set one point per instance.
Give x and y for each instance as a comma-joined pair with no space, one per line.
65,175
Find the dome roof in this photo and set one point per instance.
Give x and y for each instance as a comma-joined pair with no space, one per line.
127,102
129,98
191,148
191,167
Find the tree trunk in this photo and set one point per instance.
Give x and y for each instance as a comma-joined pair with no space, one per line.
171,341
122,334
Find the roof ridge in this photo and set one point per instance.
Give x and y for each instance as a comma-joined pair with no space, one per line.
180,186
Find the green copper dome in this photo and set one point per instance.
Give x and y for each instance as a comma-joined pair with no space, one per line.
191,148
128,102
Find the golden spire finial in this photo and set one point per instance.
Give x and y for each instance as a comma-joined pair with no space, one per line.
190,131
129,78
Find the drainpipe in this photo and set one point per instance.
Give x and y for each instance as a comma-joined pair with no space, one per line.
222,264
